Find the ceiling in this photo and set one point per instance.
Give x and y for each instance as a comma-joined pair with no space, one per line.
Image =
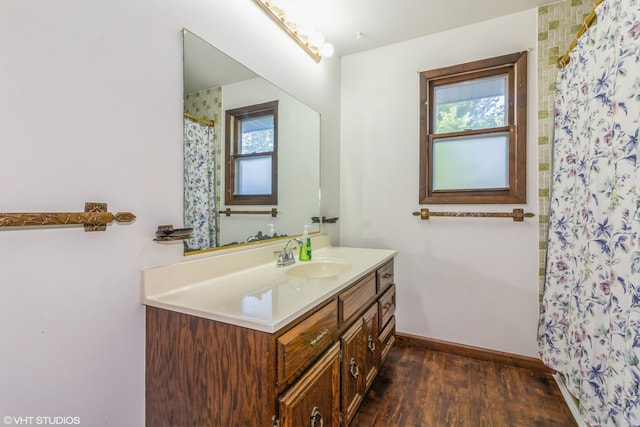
357,25
379,23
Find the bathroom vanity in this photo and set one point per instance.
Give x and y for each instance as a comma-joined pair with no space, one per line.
233,340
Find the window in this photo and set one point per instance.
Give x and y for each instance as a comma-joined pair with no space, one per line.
251,141
473,132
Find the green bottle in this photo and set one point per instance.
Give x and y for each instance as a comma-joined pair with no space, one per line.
305,248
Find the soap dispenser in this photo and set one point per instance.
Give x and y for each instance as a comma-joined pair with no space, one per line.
305,248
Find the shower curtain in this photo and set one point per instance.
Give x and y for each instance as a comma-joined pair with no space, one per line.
589,326
199,184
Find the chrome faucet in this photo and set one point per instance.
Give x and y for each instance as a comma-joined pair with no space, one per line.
285,256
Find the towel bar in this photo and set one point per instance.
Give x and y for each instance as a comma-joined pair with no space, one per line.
94,218
517,214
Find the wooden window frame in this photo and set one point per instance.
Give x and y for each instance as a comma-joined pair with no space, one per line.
515,66
232,123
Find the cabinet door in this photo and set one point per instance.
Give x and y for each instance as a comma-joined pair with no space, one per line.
352,377
370,346
314,400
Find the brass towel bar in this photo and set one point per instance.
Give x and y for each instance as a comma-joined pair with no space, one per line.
228,212
517,214
94,218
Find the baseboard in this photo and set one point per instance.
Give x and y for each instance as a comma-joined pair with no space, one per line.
473,352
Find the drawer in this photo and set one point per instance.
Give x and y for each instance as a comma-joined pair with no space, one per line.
387,305
300,346
355,298
384,276
387,338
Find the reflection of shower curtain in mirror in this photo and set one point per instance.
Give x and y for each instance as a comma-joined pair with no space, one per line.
199,185
590,320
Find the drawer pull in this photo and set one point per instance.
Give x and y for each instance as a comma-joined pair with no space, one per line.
353,368
371,344
316,416
387,306
387,276
319,337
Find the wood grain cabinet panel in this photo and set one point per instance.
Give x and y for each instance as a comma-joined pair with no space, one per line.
360,361
200,372
387,305
385,276
387,339
352,377
315,398
370,354
354,299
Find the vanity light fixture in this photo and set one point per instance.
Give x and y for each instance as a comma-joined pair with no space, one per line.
312,43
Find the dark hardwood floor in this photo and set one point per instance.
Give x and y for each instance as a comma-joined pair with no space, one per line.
427,388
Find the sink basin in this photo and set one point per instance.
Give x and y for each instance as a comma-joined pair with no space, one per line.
318,269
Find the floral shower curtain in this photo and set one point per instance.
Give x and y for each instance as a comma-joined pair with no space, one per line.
199,184
590,314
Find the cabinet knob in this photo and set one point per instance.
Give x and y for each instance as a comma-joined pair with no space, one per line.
316,416
353,368
319,337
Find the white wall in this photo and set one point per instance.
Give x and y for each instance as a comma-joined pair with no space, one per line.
464,280
91,106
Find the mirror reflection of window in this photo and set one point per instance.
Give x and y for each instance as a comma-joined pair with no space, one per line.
214,83
251,151
253,160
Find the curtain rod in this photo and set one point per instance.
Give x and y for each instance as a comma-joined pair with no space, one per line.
200,120
563,61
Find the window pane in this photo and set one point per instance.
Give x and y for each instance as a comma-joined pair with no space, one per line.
476,162
472,104
257,135
254,175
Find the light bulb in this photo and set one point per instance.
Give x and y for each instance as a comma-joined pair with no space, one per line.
326,50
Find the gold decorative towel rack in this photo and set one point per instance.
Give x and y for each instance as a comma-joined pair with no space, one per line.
94,218
228,212
517,214
588,21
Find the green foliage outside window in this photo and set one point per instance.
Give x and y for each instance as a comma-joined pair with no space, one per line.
260,141
481,113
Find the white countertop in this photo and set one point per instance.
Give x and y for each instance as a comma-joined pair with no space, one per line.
247,289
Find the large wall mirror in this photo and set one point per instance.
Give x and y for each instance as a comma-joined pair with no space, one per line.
217,89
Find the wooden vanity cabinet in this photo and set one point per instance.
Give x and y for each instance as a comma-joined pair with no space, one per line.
314,372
